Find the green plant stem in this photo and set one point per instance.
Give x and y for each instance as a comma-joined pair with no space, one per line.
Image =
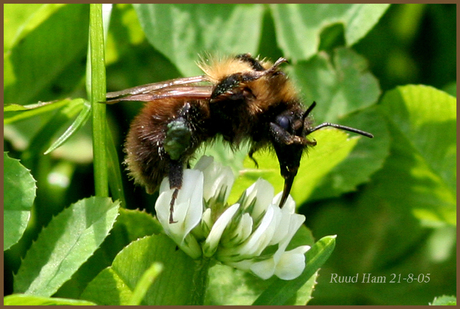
96,33
200,281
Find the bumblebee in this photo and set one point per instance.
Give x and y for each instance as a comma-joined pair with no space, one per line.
241,98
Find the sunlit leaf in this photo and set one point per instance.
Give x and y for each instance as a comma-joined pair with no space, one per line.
74,127
309,20
182,31
339,85
32,300
49,53
366,158
421,173
19,194
16,112
444,301
43,137
130,226
174,285
66,243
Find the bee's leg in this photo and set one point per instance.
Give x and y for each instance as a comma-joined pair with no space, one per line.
171,206
282,136
251,152
176,169
177,141
178,135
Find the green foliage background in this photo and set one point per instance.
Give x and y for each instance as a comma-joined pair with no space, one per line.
389,70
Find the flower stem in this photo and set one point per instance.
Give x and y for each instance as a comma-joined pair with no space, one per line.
200,281
98,95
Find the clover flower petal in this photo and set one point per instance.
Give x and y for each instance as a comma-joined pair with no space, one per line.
291,263
210,245
240,233
262,192
264,269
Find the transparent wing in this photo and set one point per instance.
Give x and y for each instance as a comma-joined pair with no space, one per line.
173,88
189,92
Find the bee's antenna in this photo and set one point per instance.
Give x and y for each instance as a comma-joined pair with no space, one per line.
308,111
338,126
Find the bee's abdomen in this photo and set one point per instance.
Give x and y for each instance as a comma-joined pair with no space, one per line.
164,132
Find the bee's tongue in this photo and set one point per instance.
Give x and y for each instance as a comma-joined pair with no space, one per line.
288,180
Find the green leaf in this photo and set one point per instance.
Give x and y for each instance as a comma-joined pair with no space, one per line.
79,122
366,158
47,53
333,147
182,31
127,32
309,20
280,291
33,126
32,300
130,226
16,16
66,243
361,18
16,112
341,85
25,18
444,301
56,115
20,108
421,173
174,285
136,224
19,194
44,136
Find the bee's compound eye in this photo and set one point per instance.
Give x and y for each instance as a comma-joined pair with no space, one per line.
283,122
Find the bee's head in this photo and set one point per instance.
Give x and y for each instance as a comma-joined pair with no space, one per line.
288,132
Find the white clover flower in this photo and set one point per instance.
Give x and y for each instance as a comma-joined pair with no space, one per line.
251,235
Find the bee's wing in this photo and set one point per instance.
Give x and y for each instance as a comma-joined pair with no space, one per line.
185,92
170,88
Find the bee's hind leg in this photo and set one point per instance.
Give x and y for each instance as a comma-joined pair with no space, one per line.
177,142
176,171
